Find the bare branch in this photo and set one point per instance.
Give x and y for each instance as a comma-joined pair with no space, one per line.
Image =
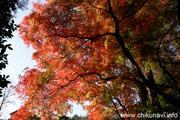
7,93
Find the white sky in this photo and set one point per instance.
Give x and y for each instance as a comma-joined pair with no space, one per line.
21,57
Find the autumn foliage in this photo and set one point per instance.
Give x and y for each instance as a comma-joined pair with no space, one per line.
120,55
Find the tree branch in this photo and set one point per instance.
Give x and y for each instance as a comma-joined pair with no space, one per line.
162,66
158,47
126,16
93,6
168,73
80,37
122,105
116,110
87,74
84,75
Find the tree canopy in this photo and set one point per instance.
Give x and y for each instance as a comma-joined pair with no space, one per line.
120,55
8,8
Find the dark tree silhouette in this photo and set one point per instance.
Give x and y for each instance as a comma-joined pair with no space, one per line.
8,8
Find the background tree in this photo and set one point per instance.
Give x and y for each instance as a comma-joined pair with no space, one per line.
121,56
76,117
7,93
8,8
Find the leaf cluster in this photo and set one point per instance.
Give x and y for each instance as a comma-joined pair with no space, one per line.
120,56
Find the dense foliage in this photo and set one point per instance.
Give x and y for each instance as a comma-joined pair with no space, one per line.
120,55
7,26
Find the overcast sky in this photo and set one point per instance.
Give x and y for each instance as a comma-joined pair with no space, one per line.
19,58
